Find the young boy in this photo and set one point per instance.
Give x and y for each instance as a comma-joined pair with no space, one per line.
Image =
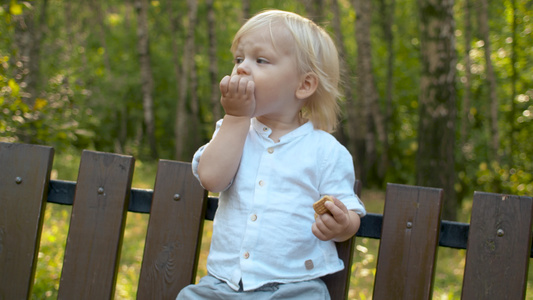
271,159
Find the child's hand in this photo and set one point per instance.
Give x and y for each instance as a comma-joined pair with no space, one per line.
238,95
340,225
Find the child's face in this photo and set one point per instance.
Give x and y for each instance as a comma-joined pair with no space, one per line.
272,68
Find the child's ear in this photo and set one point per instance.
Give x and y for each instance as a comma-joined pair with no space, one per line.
308,86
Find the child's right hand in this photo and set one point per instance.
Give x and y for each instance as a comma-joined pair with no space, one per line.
238,95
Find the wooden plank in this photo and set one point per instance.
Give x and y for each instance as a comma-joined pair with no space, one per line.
174,232
409,240
339,283
96,226
24,175
498,250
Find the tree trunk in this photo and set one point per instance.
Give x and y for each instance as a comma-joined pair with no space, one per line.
147,82
29,33
174,20
101,29
314,9
387,11
465,119
245,10
213,63
491,80
366,86
514,79
195,109
347,136
437,112
188,54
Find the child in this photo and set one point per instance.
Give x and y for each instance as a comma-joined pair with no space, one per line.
271,159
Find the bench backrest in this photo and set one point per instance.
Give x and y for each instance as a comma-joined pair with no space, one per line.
497,260
409,241
174,232
94,241
24,173
499,246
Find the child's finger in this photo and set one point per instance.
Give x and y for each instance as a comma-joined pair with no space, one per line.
337,209
224,84
318,233
242,89
250,88
233,86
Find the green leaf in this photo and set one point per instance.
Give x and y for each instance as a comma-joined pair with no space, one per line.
15,88
15,8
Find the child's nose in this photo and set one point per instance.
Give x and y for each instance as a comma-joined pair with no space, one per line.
243,68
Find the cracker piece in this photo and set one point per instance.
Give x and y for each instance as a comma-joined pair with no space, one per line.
319,206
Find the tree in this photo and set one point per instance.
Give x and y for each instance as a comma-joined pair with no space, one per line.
186,66
387,21
213,68
29,31
348,136
367,91
98,16
467,94
147,81
514,82
315,9
437,100
491,80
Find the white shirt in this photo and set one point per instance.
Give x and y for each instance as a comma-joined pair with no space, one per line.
262,227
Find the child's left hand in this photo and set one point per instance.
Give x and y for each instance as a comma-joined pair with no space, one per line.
338,225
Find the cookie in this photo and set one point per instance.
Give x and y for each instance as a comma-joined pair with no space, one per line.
319,206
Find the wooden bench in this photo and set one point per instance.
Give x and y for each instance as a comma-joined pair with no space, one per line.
498,238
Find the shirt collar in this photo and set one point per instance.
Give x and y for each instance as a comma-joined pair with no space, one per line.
265,131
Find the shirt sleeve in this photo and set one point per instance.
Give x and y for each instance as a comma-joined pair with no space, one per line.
200,151
338,179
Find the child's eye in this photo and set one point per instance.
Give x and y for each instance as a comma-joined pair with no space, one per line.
238,60
262,61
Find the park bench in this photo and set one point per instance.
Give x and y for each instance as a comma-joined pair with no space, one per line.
498,238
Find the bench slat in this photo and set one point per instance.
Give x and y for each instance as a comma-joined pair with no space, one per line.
339,283
499,242
409,240
96,227
174,232
22,206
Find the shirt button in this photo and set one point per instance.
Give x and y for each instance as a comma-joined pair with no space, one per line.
253,217
265,129
261,183
270,150
246,255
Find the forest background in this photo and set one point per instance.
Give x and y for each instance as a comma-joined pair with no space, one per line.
437,93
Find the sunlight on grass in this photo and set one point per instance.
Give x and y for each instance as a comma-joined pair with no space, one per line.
51,252
131,256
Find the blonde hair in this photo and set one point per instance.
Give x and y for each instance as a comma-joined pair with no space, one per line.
315,52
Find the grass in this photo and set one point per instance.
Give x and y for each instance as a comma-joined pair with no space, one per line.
449,271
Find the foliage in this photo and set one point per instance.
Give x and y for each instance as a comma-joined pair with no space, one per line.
89,86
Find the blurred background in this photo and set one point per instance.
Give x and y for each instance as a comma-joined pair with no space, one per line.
435,94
